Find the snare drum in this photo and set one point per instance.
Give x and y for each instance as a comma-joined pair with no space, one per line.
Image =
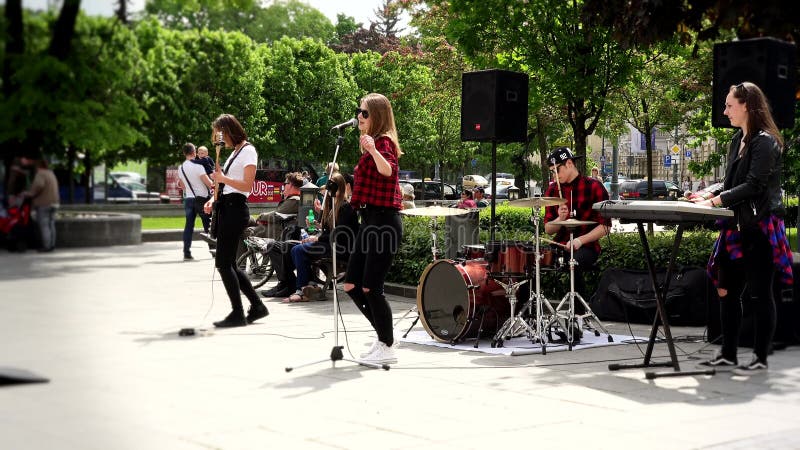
510,258
453,297
477,251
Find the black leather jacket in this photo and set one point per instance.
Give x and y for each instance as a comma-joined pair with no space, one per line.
752,183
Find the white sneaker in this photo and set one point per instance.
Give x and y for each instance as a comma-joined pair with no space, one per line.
381,355
370,350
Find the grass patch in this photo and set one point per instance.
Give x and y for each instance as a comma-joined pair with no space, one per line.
168,223
791,233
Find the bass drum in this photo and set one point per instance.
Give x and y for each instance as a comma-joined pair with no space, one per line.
452,297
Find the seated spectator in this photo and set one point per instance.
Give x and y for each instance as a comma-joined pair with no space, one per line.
466,201
319,246
477,195
408,196
270,223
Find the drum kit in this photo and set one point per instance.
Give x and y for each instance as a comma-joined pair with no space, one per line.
479,295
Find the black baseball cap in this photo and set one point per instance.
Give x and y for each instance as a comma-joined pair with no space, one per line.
561,155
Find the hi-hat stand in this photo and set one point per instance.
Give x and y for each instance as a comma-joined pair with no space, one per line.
336,351
568,301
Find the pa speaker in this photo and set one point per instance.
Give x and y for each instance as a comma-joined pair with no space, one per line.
494,106
767,62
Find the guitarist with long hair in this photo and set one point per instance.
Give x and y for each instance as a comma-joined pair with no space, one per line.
233,181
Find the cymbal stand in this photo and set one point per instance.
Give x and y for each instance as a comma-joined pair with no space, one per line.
540,332
435,254
514,324
569,301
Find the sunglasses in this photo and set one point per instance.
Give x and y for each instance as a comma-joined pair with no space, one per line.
364,113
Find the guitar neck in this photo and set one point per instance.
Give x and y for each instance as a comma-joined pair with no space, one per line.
216,181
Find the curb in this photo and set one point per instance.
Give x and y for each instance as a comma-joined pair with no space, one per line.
399,290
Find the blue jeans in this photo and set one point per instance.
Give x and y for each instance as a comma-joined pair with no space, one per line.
188,227
302,255
46,219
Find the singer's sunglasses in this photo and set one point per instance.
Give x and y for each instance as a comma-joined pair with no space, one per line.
364,113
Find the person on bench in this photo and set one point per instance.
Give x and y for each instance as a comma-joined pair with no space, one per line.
319,246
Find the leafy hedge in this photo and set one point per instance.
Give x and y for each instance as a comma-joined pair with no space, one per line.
623,250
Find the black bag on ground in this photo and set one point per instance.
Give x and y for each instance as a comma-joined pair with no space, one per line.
627,295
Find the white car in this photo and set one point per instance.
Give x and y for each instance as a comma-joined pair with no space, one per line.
504,181
473,181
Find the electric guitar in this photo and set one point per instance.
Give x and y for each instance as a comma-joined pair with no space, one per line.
212,229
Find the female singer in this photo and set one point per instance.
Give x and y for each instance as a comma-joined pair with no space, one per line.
752,247
377,198
235,180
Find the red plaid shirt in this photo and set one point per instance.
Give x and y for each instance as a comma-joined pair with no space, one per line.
583,192
370,187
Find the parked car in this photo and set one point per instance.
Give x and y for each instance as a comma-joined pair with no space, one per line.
473,181
129,176
637,190
433,190
504,181
124,191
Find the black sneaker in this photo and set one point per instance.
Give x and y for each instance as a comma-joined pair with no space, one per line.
256,312
717,362
755,366
281,290
188,258
234,319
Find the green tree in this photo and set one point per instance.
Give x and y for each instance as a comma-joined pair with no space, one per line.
193,76
404,81
306,90
659,94
551,41
280,18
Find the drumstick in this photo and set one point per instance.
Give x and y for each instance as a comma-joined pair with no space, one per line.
553,242
558,184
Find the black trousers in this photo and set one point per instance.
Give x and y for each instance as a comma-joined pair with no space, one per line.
234,216
280,256
749,278
375,246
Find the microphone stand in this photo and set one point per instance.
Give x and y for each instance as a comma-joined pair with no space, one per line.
336,351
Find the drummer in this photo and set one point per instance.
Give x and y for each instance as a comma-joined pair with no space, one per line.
581,192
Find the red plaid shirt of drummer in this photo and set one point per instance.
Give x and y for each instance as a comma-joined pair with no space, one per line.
370,187
582,192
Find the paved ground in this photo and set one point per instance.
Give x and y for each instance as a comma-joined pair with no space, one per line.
102,325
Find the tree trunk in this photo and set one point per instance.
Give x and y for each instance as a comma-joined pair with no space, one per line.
70,177
64,29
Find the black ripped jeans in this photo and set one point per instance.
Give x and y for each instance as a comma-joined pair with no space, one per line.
375,246
749,278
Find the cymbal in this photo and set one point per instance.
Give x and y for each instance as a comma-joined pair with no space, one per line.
572,223
434,211
536,202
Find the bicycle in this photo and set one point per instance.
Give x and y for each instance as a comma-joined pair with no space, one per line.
255,262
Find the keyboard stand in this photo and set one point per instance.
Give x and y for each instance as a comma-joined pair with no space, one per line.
661,316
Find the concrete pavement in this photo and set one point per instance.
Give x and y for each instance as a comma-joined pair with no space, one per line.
102,324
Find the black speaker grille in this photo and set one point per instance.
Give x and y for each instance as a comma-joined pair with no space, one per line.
767,62
494,106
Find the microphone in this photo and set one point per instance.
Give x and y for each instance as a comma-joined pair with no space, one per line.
350,123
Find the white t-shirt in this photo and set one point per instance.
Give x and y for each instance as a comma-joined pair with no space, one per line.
194,173
247,157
